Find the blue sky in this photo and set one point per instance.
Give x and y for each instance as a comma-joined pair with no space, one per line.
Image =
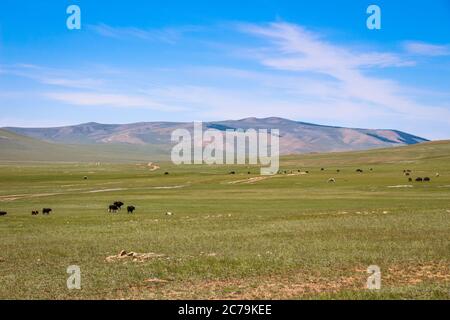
312,61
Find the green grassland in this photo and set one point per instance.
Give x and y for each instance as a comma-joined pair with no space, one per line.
291,236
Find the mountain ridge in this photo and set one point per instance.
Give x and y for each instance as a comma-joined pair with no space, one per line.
295,136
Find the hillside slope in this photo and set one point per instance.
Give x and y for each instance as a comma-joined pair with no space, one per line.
435,152
15,147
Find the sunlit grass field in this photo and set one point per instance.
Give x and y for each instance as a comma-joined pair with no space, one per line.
290,236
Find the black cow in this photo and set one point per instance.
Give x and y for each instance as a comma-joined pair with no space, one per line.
419,179
46,211
130,209
426,179
359,170
118,204
3,213
322,169
233,172
34,212
166,173
113,208
410,179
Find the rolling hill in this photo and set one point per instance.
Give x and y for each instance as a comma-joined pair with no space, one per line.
15,147
151,140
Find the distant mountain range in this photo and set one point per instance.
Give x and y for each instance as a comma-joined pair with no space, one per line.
153,138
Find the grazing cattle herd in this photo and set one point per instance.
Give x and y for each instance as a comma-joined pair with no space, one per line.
117,205
112,208
407,172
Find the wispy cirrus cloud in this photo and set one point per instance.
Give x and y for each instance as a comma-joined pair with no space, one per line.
426,49
295,49
56,77
168,35
114,100
304,50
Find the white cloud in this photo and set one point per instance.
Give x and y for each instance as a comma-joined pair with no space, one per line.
426,49
167,35
55,77
295,49
305,50
108,100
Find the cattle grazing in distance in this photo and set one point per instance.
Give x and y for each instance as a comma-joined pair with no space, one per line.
46,211
118,204
113,208
34,212
359,170
437,174
233,172
410,180
166,173
331,180
3,213
419,179
130,209
426,179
